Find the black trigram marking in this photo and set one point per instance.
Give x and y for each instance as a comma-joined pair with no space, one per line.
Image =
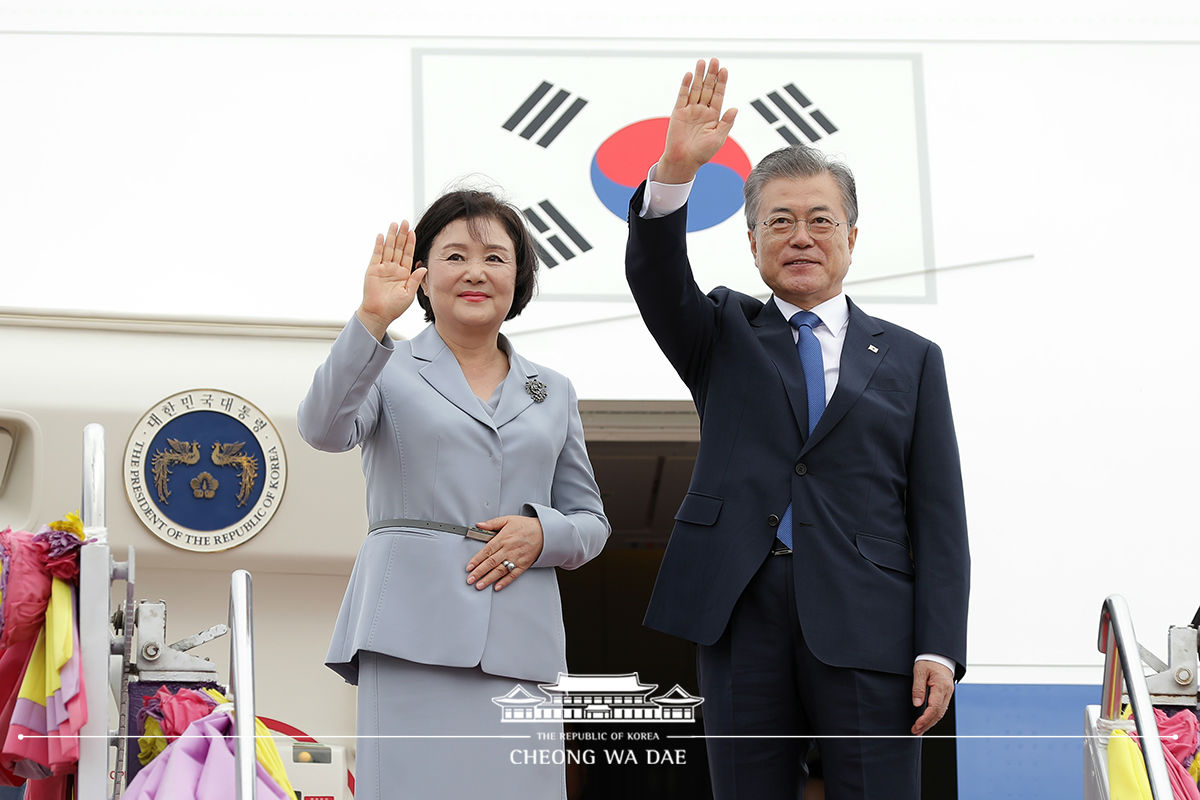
800,117
544,121
548,235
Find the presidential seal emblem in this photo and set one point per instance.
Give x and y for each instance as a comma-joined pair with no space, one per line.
204,470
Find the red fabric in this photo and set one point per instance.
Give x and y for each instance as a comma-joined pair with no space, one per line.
53,788
61,553
59,750
182,709
1179,738
1178,735
13,661
26,589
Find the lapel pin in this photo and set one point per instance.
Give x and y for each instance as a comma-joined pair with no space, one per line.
873,348
536,389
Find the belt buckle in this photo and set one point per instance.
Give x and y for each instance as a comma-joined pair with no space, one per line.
479,534
780,549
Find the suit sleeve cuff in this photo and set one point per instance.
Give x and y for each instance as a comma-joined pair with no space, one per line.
567,541
360,330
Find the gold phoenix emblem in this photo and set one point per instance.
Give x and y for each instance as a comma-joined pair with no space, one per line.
204,486
180,453
231,455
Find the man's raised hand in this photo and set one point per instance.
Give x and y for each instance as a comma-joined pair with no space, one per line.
697,129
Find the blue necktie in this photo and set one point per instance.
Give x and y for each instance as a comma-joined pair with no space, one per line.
813,366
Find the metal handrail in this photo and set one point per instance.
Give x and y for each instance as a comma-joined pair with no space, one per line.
95,525
1123,666
94,570
241,682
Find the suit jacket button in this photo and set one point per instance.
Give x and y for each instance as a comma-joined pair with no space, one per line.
801,468
773,520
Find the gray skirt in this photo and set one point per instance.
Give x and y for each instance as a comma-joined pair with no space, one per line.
433,733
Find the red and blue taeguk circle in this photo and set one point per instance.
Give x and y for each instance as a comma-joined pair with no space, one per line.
621,163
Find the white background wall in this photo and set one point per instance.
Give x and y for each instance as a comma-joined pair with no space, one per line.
154,155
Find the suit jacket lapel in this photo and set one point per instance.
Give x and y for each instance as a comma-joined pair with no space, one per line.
443,373
514,399
775,334
862,353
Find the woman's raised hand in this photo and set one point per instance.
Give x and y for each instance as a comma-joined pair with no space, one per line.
391,283
697,129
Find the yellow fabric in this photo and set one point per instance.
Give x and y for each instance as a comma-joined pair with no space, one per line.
71,523
215,695
53,648
152,742
1126,770
268,756
264,749
34,683
60,631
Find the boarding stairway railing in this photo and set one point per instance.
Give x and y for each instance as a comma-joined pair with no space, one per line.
1123,676
101,774
241,682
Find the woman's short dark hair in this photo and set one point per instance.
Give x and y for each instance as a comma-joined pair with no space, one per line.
474,205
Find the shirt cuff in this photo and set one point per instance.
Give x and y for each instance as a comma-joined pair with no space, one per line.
948,663
661,199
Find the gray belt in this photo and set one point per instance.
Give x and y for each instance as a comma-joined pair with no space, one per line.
478,534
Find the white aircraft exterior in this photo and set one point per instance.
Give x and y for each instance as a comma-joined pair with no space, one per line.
188,200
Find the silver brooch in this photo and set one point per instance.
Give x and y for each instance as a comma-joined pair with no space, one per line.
536,390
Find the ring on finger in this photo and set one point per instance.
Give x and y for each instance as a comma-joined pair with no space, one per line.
508,565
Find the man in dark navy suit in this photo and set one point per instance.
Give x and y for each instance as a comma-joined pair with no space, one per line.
819,559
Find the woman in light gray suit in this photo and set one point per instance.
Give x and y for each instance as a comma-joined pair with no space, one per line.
478,485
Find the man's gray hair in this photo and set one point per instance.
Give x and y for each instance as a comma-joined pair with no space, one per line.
799,161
